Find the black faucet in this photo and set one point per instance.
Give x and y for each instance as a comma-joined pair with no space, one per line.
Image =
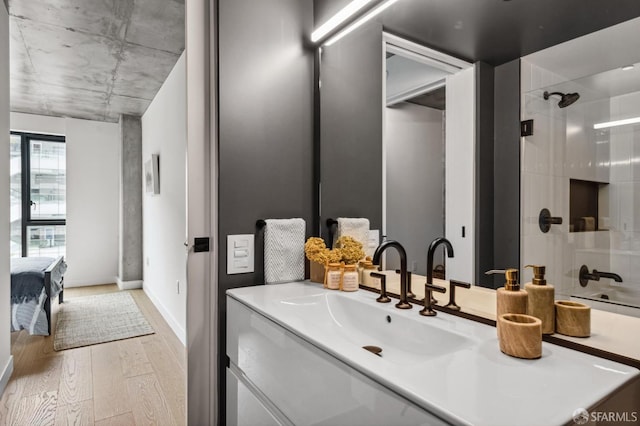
431,252
595,275
403,303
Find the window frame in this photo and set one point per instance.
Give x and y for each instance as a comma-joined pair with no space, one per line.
27,221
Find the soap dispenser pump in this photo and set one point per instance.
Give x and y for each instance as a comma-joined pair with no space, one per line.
510,298
541,298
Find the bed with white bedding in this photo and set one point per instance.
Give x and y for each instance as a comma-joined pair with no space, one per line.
35,281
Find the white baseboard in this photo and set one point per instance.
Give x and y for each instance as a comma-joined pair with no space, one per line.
89,282
6,374
129,285
178,330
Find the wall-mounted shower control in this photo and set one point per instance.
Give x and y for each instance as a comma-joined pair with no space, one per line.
545,220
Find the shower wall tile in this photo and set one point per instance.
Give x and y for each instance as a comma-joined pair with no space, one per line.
525,76
636,211
558,148
620,264
633,279
535,77
622,208
622,149
529,154
635,154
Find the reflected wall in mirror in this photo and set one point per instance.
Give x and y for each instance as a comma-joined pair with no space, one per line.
582,163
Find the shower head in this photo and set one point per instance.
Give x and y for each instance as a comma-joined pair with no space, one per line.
566,99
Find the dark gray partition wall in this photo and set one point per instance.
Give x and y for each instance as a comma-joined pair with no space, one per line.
325,9
484,174
351,127
265,125
506,203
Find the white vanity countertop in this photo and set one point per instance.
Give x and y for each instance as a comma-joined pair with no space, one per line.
464,379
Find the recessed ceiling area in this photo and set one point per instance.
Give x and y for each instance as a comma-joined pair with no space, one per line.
92,59
497,31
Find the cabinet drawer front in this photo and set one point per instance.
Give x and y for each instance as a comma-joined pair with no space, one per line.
308,385
244,408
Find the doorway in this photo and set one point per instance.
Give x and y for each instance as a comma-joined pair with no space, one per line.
414,146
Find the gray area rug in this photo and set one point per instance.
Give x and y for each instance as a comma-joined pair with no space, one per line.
90,320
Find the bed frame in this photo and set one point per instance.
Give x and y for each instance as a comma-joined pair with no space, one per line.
47,289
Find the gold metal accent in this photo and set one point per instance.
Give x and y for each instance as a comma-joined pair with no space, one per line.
376,350
511,275
538,274
428,310
512,284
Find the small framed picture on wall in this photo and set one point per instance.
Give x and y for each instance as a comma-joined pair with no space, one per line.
152,175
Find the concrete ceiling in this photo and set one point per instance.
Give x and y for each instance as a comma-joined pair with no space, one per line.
92,59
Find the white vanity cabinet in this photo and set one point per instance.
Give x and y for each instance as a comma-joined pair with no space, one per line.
296,357
275,377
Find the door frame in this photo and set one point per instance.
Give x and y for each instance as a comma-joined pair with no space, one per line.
202,211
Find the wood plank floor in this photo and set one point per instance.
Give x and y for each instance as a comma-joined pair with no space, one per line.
139,381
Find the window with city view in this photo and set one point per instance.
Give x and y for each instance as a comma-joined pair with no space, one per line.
38,195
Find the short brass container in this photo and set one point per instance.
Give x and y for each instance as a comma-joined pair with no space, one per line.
316,272
520,335
573,319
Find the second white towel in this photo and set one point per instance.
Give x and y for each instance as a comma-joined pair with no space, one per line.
356,228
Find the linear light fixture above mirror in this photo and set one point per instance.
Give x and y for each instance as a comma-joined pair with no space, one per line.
357,23
616,123
343,14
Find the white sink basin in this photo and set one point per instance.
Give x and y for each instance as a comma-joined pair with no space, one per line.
363,323
450,366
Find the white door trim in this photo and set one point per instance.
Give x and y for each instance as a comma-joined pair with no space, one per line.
202,290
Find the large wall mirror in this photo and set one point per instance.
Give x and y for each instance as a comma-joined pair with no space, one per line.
519,50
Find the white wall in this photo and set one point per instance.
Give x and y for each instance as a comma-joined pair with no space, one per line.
164,132
460,149
6,363
93,151
414,144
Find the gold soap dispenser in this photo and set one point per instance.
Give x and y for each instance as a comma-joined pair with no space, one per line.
510,298
541,299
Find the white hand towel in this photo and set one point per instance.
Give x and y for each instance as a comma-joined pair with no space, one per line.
589,223
356,228
284,250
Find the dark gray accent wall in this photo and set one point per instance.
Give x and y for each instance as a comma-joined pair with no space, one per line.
265,125
484,173
351,127
507,167
325,9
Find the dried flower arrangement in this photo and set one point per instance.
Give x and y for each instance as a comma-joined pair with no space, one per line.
348,251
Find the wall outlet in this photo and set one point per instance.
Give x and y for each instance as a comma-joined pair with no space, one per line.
178,286
147,261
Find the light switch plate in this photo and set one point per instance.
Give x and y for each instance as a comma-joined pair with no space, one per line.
240,254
